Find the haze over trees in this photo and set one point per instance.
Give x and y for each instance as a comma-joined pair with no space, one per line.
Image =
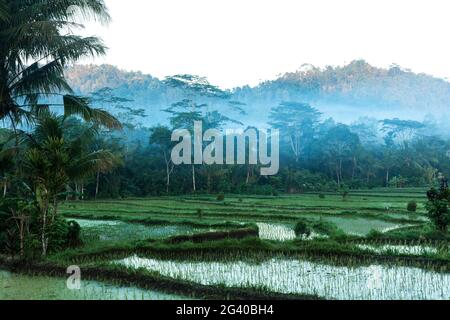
344,93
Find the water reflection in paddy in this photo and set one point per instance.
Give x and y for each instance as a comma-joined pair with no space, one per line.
305,277
22,287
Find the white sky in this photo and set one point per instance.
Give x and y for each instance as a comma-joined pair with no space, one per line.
238,42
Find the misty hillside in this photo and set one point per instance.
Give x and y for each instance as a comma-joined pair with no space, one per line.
344,93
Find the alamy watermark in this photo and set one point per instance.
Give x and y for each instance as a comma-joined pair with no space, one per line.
74,280
252,146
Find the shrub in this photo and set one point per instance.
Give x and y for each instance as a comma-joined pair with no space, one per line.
199,213
327,228
321,196
411,206
438,207
301,228
18,220
344,192
374,234
73,234
21,229
220,197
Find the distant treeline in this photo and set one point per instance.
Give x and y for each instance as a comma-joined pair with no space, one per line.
314,156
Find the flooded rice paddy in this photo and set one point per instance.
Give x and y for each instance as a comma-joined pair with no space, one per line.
401,249
304,277
358,226
280,232
22,287
104,230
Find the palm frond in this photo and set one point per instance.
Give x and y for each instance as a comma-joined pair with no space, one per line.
48,126
4,15
46,79
66,9
79,106
89,164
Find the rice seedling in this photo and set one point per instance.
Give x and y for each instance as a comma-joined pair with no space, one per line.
277,232
300,276
399,249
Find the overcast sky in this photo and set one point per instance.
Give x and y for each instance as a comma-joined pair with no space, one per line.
238,42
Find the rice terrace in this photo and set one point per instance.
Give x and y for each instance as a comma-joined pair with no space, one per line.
325,182
248,247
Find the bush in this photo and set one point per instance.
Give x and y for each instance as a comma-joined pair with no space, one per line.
13,212
301,228
344,192
412,206
73,234
327,228
438,207
199,213
375,234
321,196
220,197
61,234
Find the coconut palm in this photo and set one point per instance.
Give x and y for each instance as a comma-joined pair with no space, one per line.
56,154
3,12
37,41
6,164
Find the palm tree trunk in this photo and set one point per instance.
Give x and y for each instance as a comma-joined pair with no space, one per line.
387,177
55,208
97,183
193,178
22,238
167,177
248,175
338,176
209,182
354,168
76,191
5,187
44,239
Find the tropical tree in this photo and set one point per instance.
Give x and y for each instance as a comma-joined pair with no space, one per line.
340,144
188,110
160,136
401,130
6,161
438,206
297,122
37,41
53,157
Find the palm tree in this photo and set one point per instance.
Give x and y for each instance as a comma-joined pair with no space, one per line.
37,41
55,155
3,12
6,163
